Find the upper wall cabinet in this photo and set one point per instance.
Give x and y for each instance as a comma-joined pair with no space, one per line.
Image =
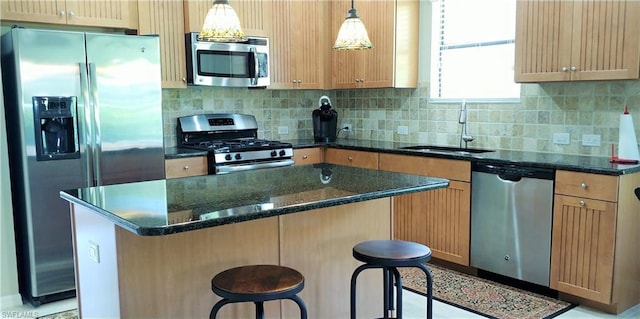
253,14
103,13
299,45
166,19
577,40
393,29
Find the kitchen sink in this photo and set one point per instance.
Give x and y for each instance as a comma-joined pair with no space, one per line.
446,149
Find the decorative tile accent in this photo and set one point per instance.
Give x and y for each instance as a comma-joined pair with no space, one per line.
573,107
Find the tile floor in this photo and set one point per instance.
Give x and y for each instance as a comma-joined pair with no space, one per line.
414,307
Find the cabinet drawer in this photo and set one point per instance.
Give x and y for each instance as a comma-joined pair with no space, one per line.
603,187
303,156
352,158
428,166
183,167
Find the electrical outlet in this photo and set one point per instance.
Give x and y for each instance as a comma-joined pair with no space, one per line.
403,130
94,252
561,138
590,140
282,130
347,127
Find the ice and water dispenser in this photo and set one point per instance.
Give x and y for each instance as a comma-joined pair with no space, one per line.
56,126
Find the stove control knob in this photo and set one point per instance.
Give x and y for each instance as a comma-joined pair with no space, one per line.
282,153
238,156
274,153
227,157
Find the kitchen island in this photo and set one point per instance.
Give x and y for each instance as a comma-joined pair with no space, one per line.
150,249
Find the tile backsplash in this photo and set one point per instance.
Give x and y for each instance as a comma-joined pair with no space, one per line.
575,108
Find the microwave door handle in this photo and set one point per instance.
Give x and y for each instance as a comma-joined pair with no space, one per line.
256,67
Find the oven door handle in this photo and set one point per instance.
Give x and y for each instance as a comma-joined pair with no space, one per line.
224,169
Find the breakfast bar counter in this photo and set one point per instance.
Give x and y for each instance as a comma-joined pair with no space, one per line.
149,249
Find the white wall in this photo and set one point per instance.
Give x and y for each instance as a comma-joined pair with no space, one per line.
9,295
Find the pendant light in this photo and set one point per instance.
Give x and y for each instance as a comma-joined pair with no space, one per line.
222,24
352,34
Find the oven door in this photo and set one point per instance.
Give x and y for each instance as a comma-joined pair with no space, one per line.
229,64
231,168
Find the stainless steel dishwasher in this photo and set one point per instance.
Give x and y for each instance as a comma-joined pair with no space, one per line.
511,208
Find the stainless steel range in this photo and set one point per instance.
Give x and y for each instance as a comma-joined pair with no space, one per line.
231,142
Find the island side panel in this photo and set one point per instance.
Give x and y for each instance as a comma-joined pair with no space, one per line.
96,264
319,244
170,276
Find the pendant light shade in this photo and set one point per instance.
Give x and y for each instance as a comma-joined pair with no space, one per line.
222,24
352,35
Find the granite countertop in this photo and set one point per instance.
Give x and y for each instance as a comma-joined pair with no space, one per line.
587,164
163,207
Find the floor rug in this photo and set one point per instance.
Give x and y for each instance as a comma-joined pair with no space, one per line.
71,314
481,296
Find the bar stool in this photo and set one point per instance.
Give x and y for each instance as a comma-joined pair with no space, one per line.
257,284
389,255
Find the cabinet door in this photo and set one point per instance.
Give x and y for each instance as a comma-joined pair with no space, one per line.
304,156
183,167
166,19
44,11
253,14
379,17
543,40
347,66
103,13
582,247
298,53
606,36
439,219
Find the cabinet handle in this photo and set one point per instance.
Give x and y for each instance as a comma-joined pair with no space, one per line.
565,69
305,157
350,159
186,167
582,203
573,68
583,186
184,80
62,13
71,14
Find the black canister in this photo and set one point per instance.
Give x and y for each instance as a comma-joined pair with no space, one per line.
325,121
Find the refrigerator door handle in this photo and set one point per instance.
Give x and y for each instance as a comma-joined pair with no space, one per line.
86,125
95,124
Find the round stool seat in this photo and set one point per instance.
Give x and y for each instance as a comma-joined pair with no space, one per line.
257,283
391,253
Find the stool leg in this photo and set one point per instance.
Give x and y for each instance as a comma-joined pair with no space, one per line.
387,292
259,310
217,306
301,305
429,290
398,283
354,279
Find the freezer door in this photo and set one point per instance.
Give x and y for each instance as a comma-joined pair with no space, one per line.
44,63
124,80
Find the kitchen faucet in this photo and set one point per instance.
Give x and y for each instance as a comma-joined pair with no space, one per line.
464,137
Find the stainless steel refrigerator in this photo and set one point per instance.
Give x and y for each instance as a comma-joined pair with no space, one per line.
82,109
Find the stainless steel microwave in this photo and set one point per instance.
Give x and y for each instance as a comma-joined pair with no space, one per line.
244,64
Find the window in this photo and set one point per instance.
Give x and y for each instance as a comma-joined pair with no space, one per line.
473,50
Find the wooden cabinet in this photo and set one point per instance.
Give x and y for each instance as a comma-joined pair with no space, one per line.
166,19
305,156
441,218
577,40
353,158
103,13
254,15
299,45
595,219
393,30
188,166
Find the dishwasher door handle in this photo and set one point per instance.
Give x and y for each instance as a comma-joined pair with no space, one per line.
510,178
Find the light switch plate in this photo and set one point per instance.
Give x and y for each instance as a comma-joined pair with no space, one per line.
282,130
591,140
94,252
403,130
561,138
